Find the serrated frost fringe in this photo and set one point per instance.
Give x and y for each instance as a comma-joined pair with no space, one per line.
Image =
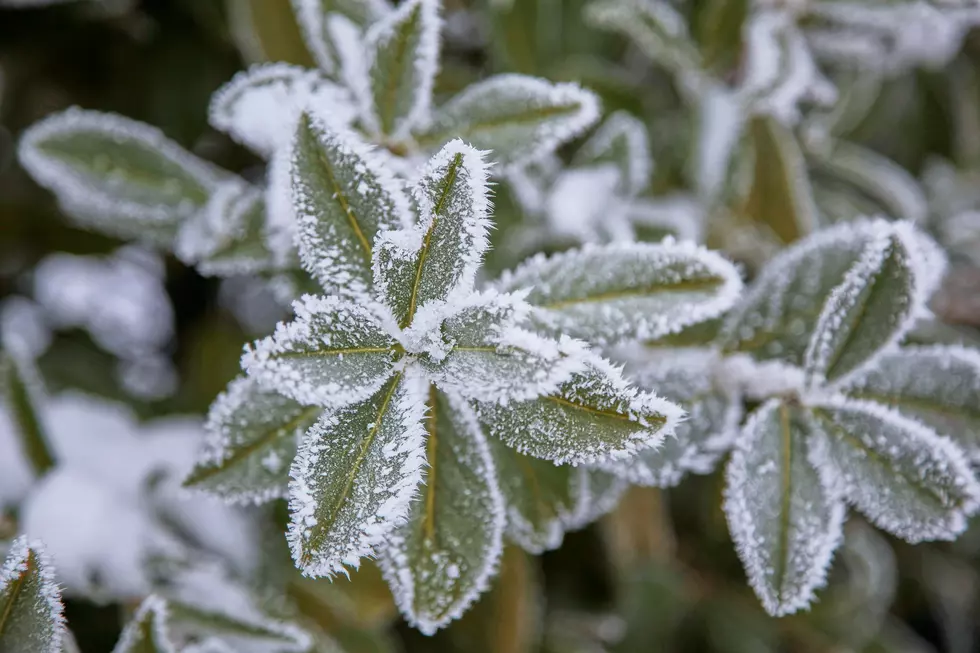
16,564
155,609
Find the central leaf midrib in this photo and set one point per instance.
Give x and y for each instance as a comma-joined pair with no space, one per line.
505,119
205,473
317,353
602,412
430,482
386,109
15,588
355,467
786,442
450,180
634,292
341,198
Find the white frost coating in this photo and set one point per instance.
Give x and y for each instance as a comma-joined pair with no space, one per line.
582,202
154,612
638,164
354,67
396,566
312,20
759,380
259,107
426,58
402,459
678,213
904,477
280,220
50,607
625,291
220,223
593,498
334,353
80,190
24,328
721,120
922,260
786,553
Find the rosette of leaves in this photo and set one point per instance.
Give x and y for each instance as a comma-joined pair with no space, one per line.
847,417
602,195
219,617
401,370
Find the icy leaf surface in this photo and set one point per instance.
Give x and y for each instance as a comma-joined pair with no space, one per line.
148,631
872,309
119,175
623,141
539,497
437,259
344,196
518,118
252,435
595,494
625,291
259,107
777,317
313,17
785,522
333,353
594,416
30,601
907,479
442,558
938,385
403,50
687,378
227,237
355,476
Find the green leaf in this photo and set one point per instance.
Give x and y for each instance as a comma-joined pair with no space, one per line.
595,416
118,175
539,497
437,260
252,435
655,26
872,309
19,387
227,238
907,479
30,601
355,476
778,315
519,118
266,30
936,385
441,560
623,141
403,50
785,521
686,377
871,175
333,354
596,493
148,630
626,291
344,196
314,17
780,196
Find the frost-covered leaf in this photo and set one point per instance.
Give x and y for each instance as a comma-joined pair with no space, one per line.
939,386
314,18
206,603
627,291
227,236
907,479
19,390
780,196
623,141
355,476
344,196
539,497
333,354
519,118
119,175
871,175
252,435
594,416
403,50
442,558
785,521
872,308
148,631
30,601
656,27
259,107
595,494
686,377
778,315
437,260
